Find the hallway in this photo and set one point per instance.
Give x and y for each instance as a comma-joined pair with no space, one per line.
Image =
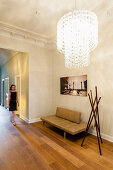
34,147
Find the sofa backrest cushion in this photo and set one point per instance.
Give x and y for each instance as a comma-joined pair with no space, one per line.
71,115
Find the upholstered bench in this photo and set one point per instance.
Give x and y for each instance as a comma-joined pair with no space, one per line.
67,120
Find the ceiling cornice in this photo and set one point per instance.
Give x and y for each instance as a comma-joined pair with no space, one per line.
14,32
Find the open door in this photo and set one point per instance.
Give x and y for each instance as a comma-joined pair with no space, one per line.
18,89
2,93
6,90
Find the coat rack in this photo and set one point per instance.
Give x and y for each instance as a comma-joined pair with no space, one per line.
94,114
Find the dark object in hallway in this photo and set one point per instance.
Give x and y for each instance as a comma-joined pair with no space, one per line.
94,114
13,102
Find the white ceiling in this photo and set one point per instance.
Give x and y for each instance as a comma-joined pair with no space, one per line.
41,16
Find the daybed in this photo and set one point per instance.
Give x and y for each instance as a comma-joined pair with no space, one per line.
67,120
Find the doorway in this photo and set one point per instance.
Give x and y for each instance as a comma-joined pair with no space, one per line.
2,93
18,88
6,90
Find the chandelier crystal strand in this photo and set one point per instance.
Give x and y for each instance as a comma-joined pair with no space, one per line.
77,36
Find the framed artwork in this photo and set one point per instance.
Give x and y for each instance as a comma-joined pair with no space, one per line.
74,85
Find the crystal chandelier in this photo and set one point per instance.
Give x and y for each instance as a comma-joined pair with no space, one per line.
77,36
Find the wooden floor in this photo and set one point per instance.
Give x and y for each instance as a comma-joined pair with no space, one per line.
34,147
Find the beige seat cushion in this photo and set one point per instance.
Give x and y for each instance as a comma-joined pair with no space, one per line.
71,115
65,125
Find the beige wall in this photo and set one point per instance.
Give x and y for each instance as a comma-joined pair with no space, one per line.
18,65
47,66
100,73
40,75
41,88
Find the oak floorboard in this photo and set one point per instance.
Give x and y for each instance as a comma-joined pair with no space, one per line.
35,147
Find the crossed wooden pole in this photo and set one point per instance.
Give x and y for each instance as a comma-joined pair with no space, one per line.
94,114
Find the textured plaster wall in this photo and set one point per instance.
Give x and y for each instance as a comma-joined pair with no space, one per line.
41,82
40,75
46,66
99,72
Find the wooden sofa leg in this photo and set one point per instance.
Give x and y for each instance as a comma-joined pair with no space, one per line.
64,135
43,123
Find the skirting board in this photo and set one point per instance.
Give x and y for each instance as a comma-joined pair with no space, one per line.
104,136
25,119
34,120
30,120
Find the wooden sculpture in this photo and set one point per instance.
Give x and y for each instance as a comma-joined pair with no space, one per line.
94,114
